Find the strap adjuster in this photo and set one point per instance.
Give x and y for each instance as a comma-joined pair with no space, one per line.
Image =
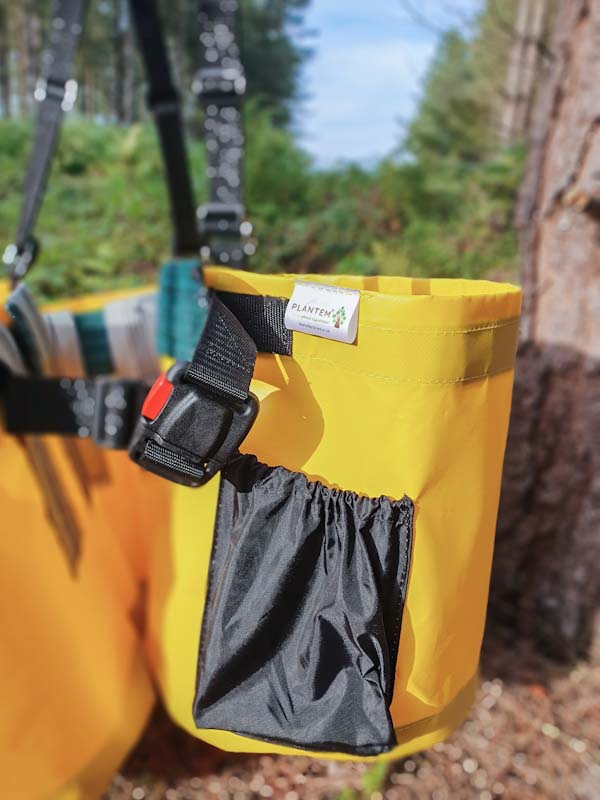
226,232
116,407
219,83
63,93
18,258
187,434
221,219
105,410
163,102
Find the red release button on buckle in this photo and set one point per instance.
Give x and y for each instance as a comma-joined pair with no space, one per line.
157,397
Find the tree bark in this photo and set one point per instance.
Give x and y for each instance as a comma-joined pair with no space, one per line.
514,76
548,546
535,30
522,70
4,64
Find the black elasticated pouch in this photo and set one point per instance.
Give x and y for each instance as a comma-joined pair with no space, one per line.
303,612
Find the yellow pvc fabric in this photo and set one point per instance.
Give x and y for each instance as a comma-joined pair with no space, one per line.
419,405
76,689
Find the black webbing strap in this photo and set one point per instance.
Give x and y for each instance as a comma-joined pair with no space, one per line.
263,319
224,359
220,86
165,104
56,93
190,434
105,410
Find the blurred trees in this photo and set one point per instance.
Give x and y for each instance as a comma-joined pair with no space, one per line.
480,88
272,58
124,65
109,73
4,64
440,205
455,116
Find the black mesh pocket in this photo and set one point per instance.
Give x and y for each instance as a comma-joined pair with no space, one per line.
303,612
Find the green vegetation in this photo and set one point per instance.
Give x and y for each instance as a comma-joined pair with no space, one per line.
374,779
440,206
105,219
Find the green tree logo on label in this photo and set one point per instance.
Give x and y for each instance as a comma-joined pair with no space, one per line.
339,317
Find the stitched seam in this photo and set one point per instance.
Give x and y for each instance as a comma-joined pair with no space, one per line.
444,331
407,541
204,634
389,379
367,750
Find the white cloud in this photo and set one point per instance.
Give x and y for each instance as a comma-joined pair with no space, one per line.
358,94
366,74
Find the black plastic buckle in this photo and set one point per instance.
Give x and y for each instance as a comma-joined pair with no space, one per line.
186,434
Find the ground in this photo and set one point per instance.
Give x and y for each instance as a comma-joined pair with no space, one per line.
534,734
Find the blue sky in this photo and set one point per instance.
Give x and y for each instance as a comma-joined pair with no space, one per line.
367,70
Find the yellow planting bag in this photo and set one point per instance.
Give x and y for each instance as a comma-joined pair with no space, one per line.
76,690
327,591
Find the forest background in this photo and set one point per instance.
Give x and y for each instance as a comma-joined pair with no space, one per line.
497,174
440,204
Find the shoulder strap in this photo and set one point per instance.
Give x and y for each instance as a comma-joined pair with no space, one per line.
237,327
220,85
56,93
164,102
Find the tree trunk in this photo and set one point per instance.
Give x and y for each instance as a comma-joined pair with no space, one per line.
179,24
522,69
19,32
124,66
33,46
514,76
4,64
548,545
535,30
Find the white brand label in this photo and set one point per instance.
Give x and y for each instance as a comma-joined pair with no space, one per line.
328,311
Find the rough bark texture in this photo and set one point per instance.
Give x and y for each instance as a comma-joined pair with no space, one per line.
547,565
